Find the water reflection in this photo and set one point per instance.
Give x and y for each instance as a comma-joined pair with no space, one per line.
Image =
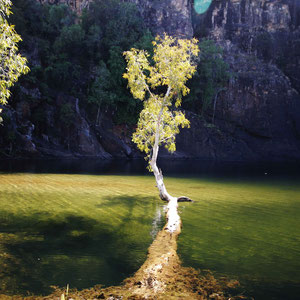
257,171
157,222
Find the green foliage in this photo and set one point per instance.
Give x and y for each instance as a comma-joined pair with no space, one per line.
173,66
93,42
53,39
112,27
106,43
70,40
67,114
120,23
12,64
145,42
82,56
55,18
211,77
100,90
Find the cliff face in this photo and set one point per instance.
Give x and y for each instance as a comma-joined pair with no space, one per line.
76,5
268,30
172,16
257,116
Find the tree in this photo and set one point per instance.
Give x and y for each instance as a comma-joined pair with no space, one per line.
99,92
210,79
161,86
111,16
12,64
213,72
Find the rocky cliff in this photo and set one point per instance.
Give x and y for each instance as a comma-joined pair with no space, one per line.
260,110
257,116
77,5
172,16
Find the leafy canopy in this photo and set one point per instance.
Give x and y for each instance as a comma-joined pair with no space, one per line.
160,84
12,64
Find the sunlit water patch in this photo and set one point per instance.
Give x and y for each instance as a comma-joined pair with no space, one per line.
89,229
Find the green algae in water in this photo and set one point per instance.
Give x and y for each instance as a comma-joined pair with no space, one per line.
248,231
73,229
85,230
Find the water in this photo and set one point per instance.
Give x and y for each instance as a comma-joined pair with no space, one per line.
80,230
88,222
248,231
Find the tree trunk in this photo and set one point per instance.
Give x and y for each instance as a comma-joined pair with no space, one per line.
173,219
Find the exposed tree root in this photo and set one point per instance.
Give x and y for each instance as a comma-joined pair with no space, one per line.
184,199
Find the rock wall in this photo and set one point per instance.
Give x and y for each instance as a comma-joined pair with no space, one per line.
76,5
173,17
257,117
260,110
269,30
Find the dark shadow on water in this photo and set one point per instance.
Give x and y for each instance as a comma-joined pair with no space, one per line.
41,250
268,290
257,171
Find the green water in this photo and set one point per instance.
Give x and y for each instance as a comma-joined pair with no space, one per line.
73,229
89,229
250,231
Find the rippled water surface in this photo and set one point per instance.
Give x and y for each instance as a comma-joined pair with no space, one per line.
78,223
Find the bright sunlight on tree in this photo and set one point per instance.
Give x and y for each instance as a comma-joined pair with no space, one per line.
161,85
173,66
12,64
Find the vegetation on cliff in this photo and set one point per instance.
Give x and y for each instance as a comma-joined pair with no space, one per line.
76,61
211,78
80,57
87,80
